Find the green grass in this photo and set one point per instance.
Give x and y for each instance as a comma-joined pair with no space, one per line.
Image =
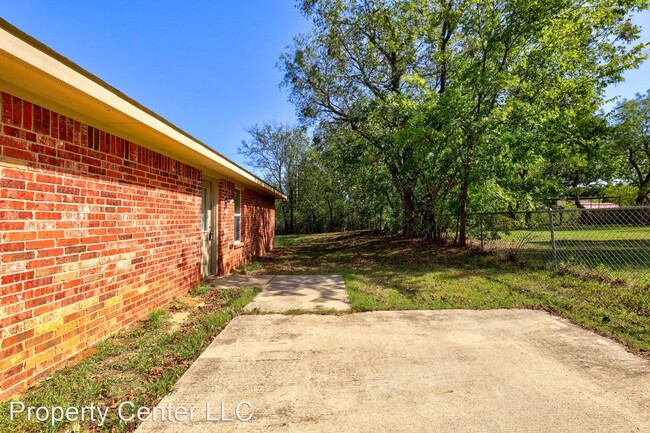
203,289
391,273
623,252
622,233
156,319
249,268
298,312
140,365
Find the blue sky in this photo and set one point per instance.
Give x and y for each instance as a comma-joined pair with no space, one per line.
208,67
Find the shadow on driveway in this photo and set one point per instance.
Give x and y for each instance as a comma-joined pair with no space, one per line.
413,371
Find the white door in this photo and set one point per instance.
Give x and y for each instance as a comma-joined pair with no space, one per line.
207,231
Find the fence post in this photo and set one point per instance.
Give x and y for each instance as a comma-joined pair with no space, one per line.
552,224
480,222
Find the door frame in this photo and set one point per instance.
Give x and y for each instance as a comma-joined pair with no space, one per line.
214,209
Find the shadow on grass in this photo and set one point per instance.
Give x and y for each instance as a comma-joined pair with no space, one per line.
392,273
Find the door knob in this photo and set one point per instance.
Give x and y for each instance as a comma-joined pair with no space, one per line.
211,236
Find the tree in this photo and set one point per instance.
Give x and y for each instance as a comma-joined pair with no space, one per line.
632,139
351,68
360,183
279,152
419,80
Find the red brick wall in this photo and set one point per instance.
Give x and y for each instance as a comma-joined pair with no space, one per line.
258,226
95,232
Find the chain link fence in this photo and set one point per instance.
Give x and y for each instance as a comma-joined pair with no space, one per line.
610,241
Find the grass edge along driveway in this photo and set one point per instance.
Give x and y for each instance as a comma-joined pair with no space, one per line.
384,272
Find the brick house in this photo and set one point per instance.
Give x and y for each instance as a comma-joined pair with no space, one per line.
107,211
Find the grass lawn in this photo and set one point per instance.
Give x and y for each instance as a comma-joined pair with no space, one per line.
594,233
140,365
391,273
623,251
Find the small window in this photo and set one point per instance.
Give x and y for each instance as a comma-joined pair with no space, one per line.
237,215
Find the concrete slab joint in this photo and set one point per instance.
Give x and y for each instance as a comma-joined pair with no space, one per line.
285,293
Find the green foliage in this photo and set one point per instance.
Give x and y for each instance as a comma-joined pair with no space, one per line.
202,289
632,141
329,187
627,193
156,319
280,152
449,107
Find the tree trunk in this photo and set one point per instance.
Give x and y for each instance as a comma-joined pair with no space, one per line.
432,230
464,188
331,215
285,218
292,205
408,213
462,214
642,195
576,196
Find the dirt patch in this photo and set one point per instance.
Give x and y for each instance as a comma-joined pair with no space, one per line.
177,319
187,302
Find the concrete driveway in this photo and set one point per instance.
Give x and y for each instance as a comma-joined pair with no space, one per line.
413,371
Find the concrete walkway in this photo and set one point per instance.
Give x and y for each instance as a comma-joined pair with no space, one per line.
413,371
283,293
